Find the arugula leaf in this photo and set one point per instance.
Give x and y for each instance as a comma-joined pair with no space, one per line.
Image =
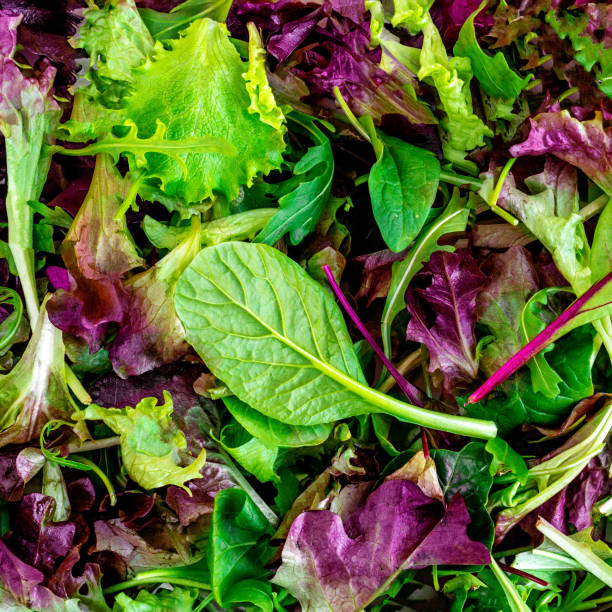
493,73
273,432
237,545
452,219
214,102
279,342
403,184
300,209
152,446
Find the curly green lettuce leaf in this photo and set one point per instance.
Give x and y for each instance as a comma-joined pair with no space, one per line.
176,600
260,93
213,102
414,14
116,40
152,445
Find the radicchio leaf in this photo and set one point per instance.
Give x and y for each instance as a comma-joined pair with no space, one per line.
452,282
328,562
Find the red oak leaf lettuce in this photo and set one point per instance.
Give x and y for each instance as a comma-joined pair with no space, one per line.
97,251
584,144
341,565
151,334
442,302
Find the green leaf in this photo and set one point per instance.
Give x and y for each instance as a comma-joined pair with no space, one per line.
453,219
505,458
168,25
273,432
300,209
260,92
176,600
116,40
151,443
279,342
413,14
493,73
543,378
253,455
213,102
237,544
403,184
515,402
601,251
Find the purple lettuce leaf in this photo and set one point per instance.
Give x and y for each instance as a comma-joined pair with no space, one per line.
17,467
98,251
444,314
584,144
511,280
133,509
39,541
328,562
151,334
326,44
376,273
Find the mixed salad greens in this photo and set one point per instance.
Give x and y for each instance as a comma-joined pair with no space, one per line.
306,305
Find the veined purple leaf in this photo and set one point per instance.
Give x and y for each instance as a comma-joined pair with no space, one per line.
592,305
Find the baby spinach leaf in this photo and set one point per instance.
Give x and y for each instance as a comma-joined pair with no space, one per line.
301,208
237,545
403,184
273,432
493,73
279,342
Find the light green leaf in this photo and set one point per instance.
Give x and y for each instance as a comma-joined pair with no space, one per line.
279,342
275,433
213,102
176,600
506,458
413,14
260,92
493,73
403,184
152,446
601,251
453,219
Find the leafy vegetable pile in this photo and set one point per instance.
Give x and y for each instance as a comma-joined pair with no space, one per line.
306,305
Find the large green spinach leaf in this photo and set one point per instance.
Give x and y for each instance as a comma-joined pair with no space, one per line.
278,340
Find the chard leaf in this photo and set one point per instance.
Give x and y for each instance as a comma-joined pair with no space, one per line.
493,73
403,184
278,340
237,545
300,209
273,432
152,446
453,219
214,103
515,402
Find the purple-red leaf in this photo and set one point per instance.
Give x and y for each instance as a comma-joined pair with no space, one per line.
444,313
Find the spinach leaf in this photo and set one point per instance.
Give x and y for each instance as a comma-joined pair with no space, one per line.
403,184
273,432
493,73
279,342
237,545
